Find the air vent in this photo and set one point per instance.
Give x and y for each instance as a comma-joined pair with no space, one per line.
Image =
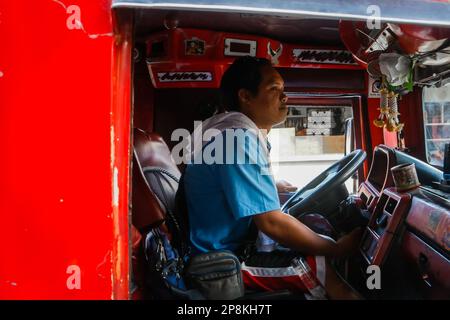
390,206
157,50
364,198
382,201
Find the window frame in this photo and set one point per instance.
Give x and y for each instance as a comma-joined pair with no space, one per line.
428,124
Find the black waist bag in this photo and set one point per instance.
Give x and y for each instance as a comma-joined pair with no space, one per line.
217,275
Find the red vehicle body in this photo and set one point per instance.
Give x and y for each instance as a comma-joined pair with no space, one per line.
71,216
69,91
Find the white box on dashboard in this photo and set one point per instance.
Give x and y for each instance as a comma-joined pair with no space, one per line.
315,125
321,120
320,113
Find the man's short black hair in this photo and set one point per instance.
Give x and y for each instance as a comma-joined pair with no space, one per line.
244,73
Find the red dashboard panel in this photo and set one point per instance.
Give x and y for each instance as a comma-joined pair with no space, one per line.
432,268
369,195
430,219
193,58
379,177
384,225
419,222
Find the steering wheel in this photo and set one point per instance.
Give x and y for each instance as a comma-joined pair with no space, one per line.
315,193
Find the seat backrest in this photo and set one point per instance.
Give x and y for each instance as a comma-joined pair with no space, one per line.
155,184
155,180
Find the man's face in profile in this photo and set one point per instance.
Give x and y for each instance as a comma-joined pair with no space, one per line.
269,107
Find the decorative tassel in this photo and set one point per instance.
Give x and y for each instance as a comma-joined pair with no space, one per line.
388,112
384,109
393,123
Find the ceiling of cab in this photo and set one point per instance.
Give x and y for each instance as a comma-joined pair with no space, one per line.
429,12
287,29
299,21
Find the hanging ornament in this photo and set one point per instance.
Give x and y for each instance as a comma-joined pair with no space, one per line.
393,123
384,109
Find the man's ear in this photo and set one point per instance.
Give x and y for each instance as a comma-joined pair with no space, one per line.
244,96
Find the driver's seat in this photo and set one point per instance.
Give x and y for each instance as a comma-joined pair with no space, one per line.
155,183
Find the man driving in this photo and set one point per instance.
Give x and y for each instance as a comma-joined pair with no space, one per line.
225,197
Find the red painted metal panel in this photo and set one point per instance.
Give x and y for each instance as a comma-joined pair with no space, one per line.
121,155
431,219
411,114
376,134
174,64
432,269
55,123
416,38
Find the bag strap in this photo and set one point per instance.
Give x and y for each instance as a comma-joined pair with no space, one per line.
179,229
158,172
181,211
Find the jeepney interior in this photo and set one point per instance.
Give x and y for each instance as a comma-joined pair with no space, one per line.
332,145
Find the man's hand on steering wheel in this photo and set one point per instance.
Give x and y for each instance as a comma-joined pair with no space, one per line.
284,186
318,190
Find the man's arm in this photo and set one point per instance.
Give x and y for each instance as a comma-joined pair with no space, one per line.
291,233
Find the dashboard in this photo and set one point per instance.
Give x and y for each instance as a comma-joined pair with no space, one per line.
408,234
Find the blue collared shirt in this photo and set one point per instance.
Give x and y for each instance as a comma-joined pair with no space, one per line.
223,197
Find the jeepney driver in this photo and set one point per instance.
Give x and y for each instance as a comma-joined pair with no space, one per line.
223,198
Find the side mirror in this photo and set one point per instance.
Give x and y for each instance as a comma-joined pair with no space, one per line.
349,136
